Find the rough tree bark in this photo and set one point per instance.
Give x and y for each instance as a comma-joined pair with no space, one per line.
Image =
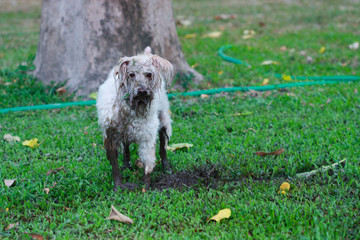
80,41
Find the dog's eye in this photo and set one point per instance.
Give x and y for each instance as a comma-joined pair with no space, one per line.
132,75
148,75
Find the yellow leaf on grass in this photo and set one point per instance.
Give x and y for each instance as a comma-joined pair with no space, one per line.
93,95
191,35
195,65
225,213
265,81
221,72
322,49
269,62
31,143
248,34
177,146
215,34
285,186
286,77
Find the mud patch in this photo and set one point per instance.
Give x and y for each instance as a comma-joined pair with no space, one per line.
207,176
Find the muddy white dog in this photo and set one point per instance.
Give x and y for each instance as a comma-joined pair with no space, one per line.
133,107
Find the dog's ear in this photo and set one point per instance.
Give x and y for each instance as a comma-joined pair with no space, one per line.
165,68
120,69
120,72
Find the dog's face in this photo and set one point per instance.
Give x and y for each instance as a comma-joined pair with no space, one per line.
140,77
138,80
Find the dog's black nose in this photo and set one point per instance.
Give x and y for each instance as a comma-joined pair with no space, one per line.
142,91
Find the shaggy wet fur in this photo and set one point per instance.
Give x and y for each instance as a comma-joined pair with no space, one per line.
133,107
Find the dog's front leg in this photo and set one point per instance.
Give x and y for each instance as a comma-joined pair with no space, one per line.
147,156
112,152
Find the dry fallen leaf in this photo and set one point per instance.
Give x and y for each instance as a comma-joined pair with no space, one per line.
191,35
283,48
54,171
9,182
183,21
9,138
221,72
61,90
31,143
269,62
47,190
302,53
177,146
277,152
35,236
11,225
224,213
309,59
354,46
203,96
225,16
248,34
265,81
322,49
116,215
215,34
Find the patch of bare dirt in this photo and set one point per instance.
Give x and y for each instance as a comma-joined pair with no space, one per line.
199,177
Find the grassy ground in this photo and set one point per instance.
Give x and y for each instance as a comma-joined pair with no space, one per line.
315,125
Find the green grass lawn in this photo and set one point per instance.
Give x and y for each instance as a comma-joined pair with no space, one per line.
316,126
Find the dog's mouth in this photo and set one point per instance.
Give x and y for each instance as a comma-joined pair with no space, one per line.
141,103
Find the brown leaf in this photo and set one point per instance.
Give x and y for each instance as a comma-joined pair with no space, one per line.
276,153
35,236
262,24
55,171
9,182
225,16
47,190
11,225
61,90
116,215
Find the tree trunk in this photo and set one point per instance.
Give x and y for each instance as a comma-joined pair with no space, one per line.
80,41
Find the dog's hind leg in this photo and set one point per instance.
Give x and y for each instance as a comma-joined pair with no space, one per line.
164,140
164,133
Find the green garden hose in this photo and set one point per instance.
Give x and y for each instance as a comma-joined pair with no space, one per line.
317,80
